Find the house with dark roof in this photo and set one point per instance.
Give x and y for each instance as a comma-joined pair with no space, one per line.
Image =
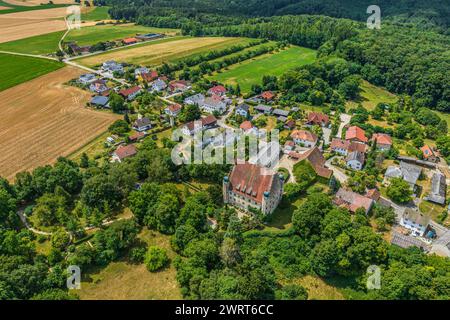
405,241
141,70
196,99
280,113
355,160
353,201
242,110
142,124
99,101
263,109
98,86
158,85
438,192
289,125
205,123
253,186
409,172
123,152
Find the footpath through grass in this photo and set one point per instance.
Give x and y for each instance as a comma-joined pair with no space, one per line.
19,69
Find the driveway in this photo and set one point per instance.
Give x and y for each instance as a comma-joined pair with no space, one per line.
326,135
287,163
337,172
345,119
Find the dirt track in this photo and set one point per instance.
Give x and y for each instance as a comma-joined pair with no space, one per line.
43,119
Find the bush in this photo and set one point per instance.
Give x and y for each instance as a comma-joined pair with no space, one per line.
156,258
137,255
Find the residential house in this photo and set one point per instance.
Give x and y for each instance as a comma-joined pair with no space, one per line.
173,110
242,110
130,93
316,159
355,133
344,147
142,70
415,221
280,113
77,50
213,104
404,241
99,101
176,86
142,124
149,77
112,66
355,160
136,136
267,96
353,201
98,86
318,119
196,99
289,145
218,90
205,123
128,41
253,186
428,154
263,109
158,85
383,141
87,78
304,138
409,172
246,125
438,190
123,152
289,125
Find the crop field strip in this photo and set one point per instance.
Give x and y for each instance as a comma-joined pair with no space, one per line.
43,119
13,8
251,71
156,53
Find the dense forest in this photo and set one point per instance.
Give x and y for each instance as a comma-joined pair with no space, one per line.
404,58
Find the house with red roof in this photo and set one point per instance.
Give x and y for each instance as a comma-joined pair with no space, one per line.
355,133
128,41
353,201
205,123
179,86
304,138
318,119
130,93
246,126
253,186
267,96
218,90
383,141
428,154
315,159
148,76
123,152
173,110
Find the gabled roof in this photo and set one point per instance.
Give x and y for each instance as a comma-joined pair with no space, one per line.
352,200
99,100
405,241
416,217
263,108
206,121
409,172
174,107
318,118
130,40
267,95
337,143
246,125
251,181
243,106
427,151
382,138
304,135
279,112
219,89
355,132
123,152
149,76
356,156
357,147
128,91
373,194
316,159
438,189
142,122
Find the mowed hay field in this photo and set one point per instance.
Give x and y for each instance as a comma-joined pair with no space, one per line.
122,280
251,71
19,69
43,119
158,52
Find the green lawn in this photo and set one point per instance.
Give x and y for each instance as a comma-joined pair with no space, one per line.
372,95
94,34
42,44
251,71
18,69
98,13
16,8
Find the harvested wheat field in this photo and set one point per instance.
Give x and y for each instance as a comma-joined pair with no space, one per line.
43,119
157,53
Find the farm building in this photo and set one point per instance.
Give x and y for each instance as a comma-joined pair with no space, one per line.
123,152
352,200
438,189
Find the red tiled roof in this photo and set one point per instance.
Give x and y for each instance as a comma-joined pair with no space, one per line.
318,118
290,143
123,152
208,120
427,152
373,194
130,40
382,138
355,146
352,200
150,76
267,95
304,135
337,143
246,125
174,107
128,91
178,84
355,133
250,181
218,90
136,136
316,159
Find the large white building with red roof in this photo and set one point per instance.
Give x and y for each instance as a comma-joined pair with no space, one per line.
253,186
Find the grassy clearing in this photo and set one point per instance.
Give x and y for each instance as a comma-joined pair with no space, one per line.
123,280
15,8
372,95
42,44
97,13
251,71
94,34
318,289
19,69
166,50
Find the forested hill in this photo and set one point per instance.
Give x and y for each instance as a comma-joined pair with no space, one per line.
424,13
